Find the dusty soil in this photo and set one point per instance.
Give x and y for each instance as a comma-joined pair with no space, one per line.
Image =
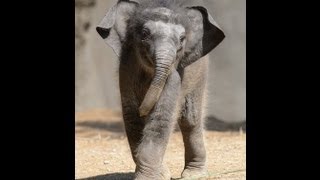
102,151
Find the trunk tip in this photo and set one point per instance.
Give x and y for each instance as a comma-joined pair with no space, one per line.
143,111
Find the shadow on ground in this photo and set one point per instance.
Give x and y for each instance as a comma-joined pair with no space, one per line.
212,124
113,176
215,124
117,127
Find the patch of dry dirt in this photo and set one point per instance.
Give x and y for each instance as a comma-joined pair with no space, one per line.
102,151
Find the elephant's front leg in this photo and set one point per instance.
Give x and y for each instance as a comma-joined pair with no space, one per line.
134,124
158,127
191,125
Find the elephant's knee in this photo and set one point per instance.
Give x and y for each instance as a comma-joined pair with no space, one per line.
190,120
189,124
191,114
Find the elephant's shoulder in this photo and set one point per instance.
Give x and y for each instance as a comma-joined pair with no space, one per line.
195,75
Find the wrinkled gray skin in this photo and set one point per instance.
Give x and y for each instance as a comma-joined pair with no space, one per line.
162,78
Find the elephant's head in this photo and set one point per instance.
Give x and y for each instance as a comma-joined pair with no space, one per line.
167,36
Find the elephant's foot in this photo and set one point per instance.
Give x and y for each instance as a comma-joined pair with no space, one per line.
194,173
163,175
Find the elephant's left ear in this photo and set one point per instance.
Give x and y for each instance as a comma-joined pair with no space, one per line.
204,35
113,26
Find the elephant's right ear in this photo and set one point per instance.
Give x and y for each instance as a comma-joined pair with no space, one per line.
113,26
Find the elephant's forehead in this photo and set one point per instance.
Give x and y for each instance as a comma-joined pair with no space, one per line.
165,15
160,11
160,27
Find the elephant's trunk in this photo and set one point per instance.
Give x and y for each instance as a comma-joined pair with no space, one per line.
164,59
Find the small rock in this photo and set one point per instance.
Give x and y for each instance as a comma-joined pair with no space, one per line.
106,162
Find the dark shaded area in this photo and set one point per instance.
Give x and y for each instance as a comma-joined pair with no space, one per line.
113,176
85,3
107,126
103,32
86,26
214,124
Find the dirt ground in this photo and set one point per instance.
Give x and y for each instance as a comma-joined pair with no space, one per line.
102,150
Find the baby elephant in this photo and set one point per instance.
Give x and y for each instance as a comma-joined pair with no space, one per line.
162,76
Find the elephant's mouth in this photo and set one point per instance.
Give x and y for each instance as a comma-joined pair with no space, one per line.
146,60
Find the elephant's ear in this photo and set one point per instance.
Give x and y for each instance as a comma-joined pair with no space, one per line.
203,36
113,26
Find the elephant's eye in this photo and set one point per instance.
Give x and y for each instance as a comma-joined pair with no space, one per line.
182,38
145,33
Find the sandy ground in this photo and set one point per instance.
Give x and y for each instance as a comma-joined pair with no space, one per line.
102,151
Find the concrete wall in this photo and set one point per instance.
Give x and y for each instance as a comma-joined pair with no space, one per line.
96,64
